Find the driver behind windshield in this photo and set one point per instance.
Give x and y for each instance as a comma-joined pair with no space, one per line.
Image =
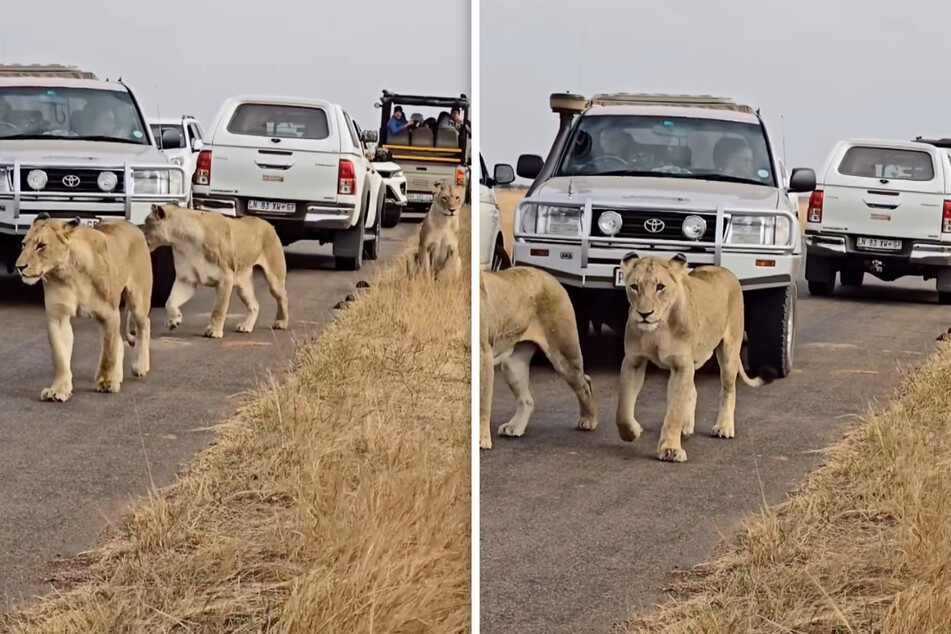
734,157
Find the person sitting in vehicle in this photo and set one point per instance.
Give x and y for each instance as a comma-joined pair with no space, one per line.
616,143
398,123
734,157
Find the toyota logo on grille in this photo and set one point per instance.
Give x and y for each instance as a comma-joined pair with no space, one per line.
71,180
654,225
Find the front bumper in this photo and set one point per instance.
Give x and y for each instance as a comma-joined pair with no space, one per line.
396,193
309,216
843,246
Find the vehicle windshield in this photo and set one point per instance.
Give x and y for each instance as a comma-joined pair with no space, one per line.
176,128
677,147
72,113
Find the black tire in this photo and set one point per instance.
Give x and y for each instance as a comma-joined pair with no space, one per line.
354,243
820,275
500,257
371,246
163,275
391,215
944,298
821,289
851,277
770,316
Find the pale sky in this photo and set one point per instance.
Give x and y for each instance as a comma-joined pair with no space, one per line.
187,57
831,69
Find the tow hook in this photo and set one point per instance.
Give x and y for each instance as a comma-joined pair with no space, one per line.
876,266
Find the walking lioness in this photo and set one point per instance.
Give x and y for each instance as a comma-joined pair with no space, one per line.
677,319
219,251
521,309
87,272
438,252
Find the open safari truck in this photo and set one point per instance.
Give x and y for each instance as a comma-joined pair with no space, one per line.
435,150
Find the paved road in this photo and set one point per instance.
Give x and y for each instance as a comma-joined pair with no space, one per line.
68,469
577,527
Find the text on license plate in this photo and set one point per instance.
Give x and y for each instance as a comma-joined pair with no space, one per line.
878,243
89,222
267,205
419,198
618,277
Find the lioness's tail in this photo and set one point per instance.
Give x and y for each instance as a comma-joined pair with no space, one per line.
766,375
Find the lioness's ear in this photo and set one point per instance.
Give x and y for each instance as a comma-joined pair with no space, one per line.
628,262
72,223
41,217
679,259
437,187
158,211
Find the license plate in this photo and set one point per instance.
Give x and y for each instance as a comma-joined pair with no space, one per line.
89,222
878,243
266,205
419,198
618,277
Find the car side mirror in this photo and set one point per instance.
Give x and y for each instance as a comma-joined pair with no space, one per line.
503,174
369,136
172,139
529,166
802,179
197,145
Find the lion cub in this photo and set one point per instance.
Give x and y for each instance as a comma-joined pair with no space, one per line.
219,251
87,272
438,251
677,320
522,309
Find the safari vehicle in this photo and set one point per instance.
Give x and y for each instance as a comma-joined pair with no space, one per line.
72,145
299,164
492,253
881,207
432,152
660,175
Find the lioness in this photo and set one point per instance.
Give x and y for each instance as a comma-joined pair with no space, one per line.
677,319
438,250
219,251
87,272
522,309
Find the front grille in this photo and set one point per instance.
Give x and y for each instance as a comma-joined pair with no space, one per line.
87,181
633,225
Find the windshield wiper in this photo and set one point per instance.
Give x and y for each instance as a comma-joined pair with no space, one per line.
103,137
25,137
728,179
45,136
700,176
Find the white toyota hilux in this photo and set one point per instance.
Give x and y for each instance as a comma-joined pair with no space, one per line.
660,175
74,146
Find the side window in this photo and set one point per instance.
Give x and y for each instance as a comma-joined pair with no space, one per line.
485,172
353,133
193,131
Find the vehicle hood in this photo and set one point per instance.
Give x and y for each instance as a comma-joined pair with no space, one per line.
385,167
80,152
661,190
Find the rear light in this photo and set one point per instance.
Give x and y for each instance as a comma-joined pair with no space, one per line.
346,178
202,175
946,217
460,176
815,207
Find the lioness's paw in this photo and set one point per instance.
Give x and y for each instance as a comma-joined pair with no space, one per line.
214,333
671,454
107,386
485,442
139,372
244,328
280,324
173,322
587,423
511,429
54,395
629,431
722,431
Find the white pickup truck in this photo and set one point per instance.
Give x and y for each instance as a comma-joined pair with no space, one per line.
180,140
299,164
660,175
882,207
72,145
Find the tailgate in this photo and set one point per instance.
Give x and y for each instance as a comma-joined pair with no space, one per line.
276,152
887,192
421,179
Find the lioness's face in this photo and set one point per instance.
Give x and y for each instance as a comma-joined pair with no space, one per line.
449,197
45,249
157,227
652,285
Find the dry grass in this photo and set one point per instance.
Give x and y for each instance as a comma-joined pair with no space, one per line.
336,500
863,546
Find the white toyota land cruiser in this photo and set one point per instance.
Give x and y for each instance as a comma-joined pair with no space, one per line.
882,207
297,163
658,175
72,145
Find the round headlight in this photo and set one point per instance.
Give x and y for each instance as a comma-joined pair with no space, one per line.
694,227
36,179
107,181
610,222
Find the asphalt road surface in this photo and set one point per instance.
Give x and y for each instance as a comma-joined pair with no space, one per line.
579,527
66,470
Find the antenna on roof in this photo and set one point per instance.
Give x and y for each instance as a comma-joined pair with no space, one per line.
782,123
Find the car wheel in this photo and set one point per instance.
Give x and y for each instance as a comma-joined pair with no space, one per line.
391,215
348,245
852,276
163,275
371,242
820,275
770,316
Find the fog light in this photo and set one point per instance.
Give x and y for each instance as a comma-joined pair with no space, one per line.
107,181
609,222
36,179
694,227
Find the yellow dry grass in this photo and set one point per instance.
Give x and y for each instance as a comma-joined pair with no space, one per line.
863,546
336,500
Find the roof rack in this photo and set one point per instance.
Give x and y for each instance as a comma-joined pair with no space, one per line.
942,143
44,70
660,99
